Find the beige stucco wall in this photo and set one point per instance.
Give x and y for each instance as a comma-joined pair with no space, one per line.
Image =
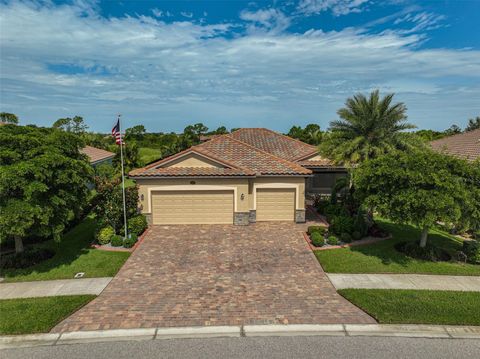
192,161
245,186
238,185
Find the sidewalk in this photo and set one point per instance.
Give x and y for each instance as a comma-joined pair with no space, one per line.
52,288
405,281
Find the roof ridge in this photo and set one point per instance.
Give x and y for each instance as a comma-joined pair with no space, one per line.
456,135
265,152
314,148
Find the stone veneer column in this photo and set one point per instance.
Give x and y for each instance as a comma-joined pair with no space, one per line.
241,218
252,218
300,216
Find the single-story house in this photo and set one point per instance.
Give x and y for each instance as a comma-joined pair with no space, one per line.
250,175
465,145
97,155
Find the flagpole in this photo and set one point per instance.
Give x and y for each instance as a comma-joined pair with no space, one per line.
123,179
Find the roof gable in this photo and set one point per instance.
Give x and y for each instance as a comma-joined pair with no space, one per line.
96,154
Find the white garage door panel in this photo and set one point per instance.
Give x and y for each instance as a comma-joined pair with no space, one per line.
192,207
275,204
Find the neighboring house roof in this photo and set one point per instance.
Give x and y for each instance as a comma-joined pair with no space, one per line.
234,158
464,145
275,143
96,154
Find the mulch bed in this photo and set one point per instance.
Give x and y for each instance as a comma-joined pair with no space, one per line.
109,248
362,242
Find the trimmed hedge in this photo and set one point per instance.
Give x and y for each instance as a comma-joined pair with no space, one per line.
137,225
320,229
346,237
104,235
341,224
332,240
428,253
28,258
130,241
116,241
317,239
472,251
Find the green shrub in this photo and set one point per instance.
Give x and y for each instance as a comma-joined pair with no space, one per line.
332,210
320,229
332,240
341,224
317,239
105,234
356,235
322,205
137,225
130,241
428,253
472,250
359,224
346,237
117,241
26,259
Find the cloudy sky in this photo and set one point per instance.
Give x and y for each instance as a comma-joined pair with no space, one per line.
273,64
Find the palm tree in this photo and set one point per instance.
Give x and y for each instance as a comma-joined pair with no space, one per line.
368,127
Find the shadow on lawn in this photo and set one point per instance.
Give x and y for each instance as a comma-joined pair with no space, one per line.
74,244
387,253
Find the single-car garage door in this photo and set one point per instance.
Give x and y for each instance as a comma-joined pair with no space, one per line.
192,207
275,204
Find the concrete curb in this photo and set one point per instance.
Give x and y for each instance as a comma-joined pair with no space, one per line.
384,330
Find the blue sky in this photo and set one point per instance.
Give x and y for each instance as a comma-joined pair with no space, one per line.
273,64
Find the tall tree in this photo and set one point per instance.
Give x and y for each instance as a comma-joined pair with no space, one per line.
473,124
136,132
311,134
43,182
8,118
75,124
421,187
453,130
368,128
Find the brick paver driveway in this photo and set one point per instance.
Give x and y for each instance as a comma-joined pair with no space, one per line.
218,275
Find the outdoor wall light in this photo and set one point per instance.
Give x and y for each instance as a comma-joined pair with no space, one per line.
192,182
141,197
242,196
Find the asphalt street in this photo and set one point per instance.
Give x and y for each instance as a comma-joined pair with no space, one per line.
261,347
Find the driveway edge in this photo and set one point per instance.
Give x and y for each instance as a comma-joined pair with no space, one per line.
372,330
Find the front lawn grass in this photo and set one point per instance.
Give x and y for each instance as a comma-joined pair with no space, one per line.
72,255
382,257
400,306
37,315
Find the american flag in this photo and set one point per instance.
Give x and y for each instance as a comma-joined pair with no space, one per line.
116,133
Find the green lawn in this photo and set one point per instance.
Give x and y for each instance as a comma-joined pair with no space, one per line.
399,306
148,154
383,258
37,315
72,255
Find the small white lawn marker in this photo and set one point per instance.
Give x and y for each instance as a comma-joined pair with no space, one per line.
79,275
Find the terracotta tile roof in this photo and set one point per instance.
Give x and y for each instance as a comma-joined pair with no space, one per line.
96,154
464,145
316,163
189,172
275,143
238,158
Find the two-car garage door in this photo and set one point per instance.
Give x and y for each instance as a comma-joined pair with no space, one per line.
192,207
209,207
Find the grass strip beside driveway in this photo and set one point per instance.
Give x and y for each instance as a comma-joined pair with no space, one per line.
401,306
37,315
382,257
72,255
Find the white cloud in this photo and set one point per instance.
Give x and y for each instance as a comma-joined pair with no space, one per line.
157,12
186,14
169,74
272,20
337,7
